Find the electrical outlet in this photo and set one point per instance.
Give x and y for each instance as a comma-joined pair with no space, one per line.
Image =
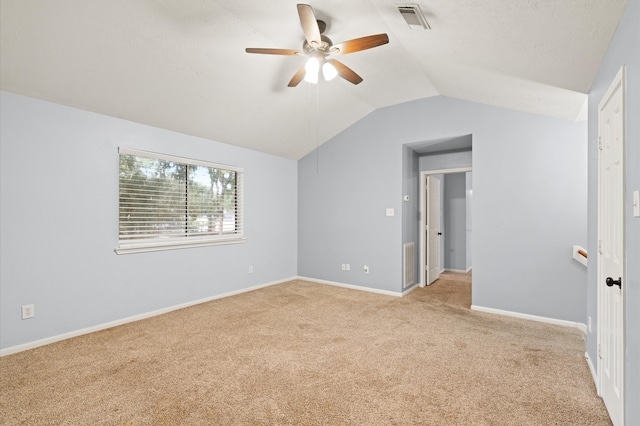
251,269
28,311
366,269
344,267
348,267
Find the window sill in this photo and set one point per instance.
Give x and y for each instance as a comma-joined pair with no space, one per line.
148,247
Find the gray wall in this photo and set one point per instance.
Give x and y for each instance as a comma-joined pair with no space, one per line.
455,224
59,223
448,160
624,49
524,202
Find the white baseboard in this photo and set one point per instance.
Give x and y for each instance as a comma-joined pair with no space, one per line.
104,326
579,326
356,287
460,271
593,371
410,289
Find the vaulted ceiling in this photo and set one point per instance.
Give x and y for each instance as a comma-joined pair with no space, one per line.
181,65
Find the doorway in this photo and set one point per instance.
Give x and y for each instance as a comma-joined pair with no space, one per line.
431,232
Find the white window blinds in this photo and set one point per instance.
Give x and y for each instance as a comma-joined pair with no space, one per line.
173,202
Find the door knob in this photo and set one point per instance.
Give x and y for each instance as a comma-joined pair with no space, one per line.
611,282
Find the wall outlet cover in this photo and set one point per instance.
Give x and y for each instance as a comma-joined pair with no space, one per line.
28,311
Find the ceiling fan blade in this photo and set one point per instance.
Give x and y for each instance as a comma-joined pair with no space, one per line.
309,25
358,44
268,51
297,77
345,72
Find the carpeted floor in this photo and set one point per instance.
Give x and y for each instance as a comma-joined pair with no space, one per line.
309,354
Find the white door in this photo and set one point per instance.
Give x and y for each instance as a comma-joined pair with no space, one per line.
611,248
433,229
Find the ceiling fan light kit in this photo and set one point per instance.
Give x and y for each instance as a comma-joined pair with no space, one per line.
311,70
321,50
329,72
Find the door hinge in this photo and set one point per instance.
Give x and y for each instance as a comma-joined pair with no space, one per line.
600,246
599,351
600,143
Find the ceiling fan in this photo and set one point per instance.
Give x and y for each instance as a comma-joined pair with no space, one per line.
320,50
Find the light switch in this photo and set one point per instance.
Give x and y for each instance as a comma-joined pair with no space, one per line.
636,203
390,211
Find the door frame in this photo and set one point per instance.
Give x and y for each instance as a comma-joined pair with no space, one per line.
423,214
432,270
618,82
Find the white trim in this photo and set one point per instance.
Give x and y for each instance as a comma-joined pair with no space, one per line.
48,340
578,325
409,290
354,287
460,271
143,248
593,371
423,215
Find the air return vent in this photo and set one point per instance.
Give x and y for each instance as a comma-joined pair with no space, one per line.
408,264
413,16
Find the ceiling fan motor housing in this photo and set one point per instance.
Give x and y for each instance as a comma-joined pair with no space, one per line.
324,46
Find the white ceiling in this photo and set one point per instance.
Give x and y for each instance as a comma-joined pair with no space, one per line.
181,65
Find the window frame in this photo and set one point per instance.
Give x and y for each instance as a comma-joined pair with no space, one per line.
157,244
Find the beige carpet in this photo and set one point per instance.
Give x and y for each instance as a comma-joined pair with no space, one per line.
304,354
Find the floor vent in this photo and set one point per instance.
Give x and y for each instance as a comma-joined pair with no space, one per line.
409,264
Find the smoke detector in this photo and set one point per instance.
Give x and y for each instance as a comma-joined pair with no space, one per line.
413,16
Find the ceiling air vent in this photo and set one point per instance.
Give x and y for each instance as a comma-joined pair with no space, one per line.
414,16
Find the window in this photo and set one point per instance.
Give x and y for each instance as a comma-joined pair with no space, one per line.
170,202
